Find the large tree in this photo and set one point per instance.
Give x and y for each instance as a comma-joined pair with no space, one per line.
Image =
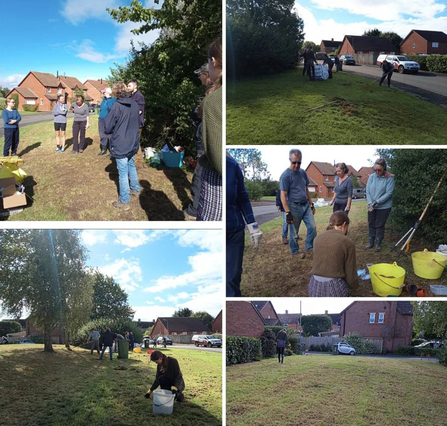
314,324
165,69
184,312
430,318
205,316
43,272
250,162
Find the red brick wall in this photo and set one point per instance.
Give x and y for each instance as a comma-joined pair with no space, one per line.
159,329
31,82
421,46
217,324
22,100
268,312
346,48
93,92
242,320
316,175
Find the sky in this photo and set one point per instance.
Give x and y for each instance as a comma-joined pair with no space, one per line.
327,19
75,37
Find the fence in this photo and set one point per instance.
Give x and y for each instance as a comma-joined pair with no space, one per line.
326,340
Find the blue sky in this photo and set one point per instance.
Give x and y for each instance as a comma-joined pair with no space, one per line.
160,270
75,37
326,19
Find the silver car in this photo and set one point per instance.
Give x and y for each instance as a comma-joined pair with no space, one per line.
345,348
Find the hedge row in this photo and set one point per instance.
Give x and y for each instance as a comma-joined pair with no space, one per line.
241,350
361,345
412,351
32,108
434,63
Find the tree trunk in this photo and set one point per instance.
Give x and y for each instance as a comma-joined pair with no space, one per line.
48,344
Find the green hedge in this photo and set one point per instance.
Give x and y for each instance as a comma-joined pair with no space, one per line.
294,343
416,342
268,344
412,351
421,60
360,344
2,103
434,63
32,108
36,338
241,350
442,355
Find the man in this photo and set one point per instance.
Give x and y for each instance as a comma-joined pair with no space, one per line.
387,71
309,60
330,64
138,97
109,337
104,109
131,341
94,338
196,115
296,201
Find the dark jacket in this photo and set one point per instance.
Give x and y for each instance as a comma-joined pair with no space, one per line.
139,99
278,200
172,372
281,339
387,67
122,123
109,337
309,54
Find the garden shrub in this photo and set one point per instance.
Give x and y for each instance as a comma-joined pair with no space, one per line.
437,63
2,103
288,352
254,189
361,344
294,345
32,108
412,351
15,96
420,59
241,350
268,344
7,327
442,355
36,338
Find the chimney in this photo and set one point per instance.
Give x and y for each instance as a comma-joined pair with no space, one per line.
332,39
325,312
57,74
153,320
287,311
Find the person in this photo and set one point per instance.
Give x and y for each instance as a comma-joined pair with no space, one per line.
379,195
286,228
309,60
334,269
94,339
387,71
155,342
342,196
11,118
281,341
210,200
5,340
238,210
191,211
109,337
337,63
80,124
138,97
122,123
297,203
302,55
164,342
104,109
328,61
60,111
168,375
131,340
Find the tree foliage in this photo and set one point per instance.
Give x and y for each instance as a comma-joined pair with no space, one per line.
430,318
315,47
4,91
165,69
268,343
205,317
416,174
395,38
372,33
7,327
355,181
250,162
184,312
314,324
263,36
254,189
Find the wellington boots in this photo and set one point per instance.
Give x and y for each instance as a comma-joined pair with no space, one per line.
378,245
370,243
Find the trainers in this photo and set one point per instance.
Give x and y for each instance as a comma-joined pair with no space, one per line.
62,150
120,205
134,193
81,151
284,240
57,149
188,216
73,152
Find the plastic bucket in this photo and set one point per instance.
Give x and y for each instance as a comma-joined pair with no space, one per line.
173,159
428,264
163,401
387,279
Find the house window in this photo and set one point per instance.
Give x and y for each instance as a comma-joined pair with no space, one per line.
381,318
435,44
41,101
372,318
321,189
413,45
30,102
49,90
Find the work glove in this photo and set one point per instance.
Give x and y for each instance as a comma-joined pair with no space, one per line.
255,233
347,209
312,207
289,218
371,206
148,394
174,389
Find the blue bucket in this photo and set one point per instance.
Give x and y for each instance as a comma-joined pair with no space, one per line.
173,159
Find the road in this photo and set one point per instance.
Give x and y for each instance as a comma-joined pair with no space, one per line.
189,346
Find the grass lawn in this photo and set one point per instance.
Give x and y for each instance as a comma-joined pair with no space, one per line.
337,390
83,186
274,110
74,388
271,271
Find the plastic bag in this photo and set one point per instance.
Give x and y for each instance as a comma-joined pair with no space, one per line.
12,170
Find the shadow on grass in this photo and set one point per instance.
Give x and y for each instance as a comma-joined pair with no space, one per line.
29,148
180,183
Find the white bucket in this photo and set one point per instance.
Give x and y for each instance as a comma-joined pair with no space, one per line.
163,401
149,152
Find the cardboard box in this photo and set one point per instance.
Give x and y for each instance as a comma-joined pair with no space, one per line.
10,197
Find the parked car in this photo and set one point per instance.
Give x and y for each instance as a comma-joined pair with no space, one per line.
27,342
207,340
160,340
345,348
432,344
347,59
358,193
400,62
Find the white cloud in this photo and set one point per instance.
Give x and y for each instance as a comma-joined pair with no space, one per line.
127,273
206,240
90,238
207,299
12,80
124,36
150,313
178,296
159,299
86,50
134,239
79,11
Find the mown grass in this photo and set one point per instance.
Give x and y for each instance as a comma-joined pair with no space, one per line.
83,187
271,271
74,388
275,110
336,390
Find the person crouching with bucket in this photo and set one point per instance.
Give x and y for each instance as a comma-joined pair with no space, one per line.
168,376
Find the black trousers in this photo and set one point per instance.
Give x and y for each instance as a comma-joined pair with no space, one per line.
280,353
376,222
79,132
11,141
388,76
337,207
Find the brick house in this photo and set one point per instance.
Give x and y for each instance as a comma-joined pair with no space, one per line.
71,84
365,173
94,88
243,319
267,312
145,325
388,323
366,49
45,86
424,42
324,176
216,325
290,320
57,334
179,326
329,46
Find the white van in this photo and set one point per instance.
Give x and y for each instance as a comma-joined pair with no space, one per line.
358,193
400,62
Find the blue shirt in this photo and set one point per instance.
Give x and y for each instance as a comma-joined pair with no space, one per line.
295,183
11,115
343,191
106,106
379,190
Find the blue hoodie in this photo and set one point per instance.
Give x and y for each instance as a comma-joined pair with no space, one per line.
11,115
60,113
106,106
379,190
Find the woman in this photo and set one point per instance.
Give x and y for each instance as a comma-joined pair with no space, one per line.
168,375
239,212
109,337
60,122
80,124
210,201
342,197
379,195
123,125
281,341
334,268
11,118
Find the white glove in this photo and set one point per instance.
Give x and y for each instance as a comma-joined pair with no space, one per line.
371,206
255,233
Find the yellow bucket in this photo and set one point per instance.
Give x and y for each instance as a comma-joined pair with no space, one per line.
387,279
428,264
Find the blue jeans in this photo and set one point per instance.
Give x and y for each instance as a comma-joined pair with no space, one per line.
235,255
304,213
293,240
110,351
127,171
